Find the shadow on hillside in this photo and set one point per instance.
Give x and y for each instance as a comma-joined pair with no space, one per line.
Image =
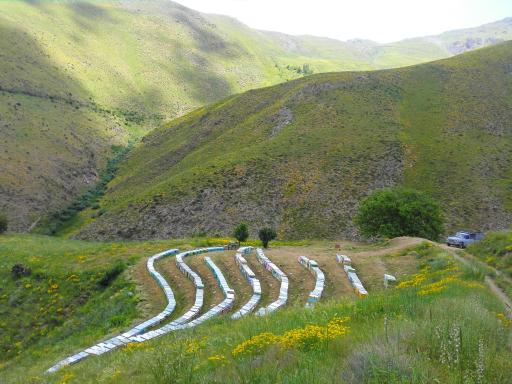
87,15
201,30
200,82
48,144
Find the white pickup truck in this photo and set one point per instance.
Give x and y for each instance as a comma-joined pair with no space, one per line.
464,238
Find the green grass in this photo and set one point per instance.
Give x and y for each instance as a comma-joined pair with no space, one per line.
495,250
398,335
347,134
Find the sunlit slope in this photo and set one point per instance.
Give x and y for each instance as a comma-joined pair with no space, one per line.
300,156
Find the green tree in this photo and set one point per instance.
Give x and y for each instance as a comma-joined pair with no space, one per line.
393,212
3,223
241,232
266,235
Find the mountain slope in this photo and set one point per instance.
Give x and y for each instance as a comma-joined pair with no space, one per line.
299,156
82,76
77,77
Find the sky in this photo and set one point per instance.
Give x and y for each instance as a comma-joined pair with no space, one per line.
382,21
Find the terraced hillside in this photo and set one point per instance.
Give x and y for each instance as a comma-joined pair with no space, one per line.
299,156
66,303
77,77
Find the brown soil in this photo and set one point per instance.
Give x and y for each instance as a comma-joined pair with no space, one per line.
227,264
212,293
182,287
269,285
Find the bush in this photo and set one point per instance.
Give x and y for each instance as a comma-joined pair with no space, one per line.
3,223
241,232
19,270
393,212
266,235
111,274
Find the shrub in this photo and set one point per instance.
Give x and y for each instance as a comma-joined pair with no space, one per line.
19,270
241,232
393,212
111,274
3,223
266,235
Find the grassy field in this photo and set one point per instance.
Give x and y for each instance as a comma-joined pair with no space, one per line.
439,324
299,156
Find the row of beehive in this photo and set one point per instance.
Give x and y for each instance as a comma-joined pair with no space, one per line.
279,275
251,278
312,265
136,333
225,305
352,275
125,338
186,319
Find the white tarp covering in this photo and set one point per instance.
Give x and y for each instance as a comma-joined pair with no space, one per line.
255,284
279,275
312,265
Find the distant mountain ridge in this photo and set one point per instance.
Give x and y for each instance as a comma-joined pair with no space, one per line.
78,77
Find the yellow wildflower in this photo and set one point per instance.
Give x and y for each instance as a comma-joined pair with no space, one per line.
308,337
66,378
256,344
504,320
436,287
218,359
130,347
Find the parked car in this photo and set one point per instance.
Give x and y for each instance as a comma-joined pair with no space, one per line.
231,246
463,238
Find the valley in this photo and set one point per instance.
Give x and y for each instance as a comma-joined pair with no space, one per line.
118,69
187,199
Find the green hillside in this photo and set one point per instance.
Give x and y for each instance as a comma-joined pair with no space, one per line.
299,156
77,77
82,76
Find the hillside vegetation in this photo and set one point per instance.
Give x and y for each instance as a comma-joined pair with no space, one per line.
77,77
440,324
495,250
300,156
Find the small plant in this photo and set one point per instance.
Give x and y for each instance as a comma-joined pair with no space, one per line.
111,274
266,235
394,212
241,232
19,270
3,223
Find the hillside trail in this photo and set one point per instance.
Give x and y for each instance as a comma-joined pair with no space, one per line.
498,292
401,243
395,245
